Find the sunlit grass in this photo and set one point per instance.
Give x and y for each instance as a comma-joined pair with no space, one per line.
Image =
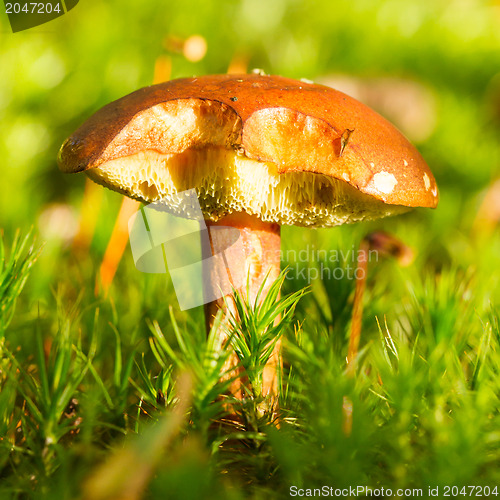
422,409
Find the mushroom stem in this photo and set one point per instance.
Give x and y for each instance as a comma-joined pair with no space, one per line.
357,312
261,247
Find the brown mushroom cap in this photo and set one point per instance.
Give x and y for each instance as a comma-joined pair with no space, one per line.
267,145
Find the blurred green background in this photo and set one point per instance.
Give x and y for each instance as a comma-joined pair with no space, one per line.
431,67
56,75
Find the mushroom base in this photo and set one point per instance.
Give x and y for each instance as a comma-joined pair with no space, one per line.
261,244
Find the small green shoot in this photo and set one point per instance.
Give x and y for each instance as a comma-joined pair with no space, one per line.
255,327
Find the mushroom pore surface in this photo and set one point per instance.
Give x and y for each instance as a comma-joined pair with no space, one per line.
227,182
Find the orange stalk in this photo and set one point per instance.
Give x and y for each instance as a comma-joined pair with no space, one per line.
116,245
261,246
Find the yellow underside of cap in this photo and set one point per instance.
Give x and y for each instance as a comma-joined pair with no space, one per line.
227,182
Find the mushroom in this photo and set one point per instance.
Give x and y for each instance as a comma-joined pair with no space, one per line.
260,151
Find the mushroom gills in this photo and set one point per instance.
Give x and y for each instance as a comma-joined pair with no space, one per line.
227,182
